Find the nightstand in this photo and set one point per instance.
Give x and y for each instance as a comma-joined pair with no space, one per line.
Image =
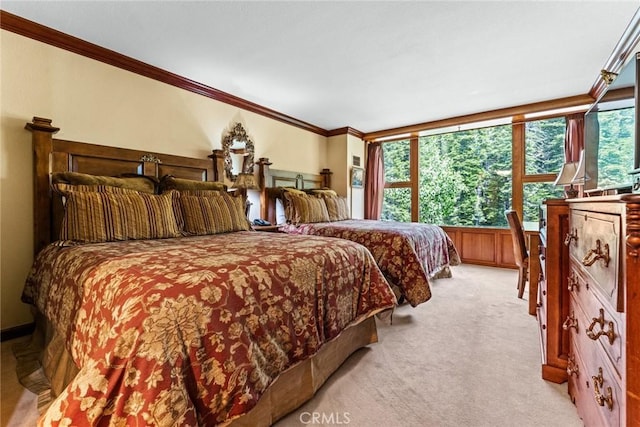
267,228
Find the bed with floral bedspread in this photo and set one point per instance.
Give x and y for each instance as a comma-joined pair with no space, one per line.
407,253
191,331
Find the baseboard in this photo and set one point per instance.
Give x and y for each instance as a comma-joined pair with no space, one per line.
17,332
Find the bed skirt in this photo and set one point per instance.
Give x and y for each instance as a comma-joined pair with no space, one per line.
45,368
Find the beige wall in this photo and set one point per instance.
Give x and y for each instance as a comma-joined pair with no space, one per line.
340,152
336,155
98,103
355,147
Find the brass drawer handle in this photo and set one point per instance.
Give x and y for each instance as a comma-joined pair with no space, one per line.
573,282
571,322
601,400
600,321
572,367
572,235
595,254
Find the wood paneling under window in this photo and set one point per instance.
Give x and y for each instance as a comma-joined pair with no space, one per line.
483,246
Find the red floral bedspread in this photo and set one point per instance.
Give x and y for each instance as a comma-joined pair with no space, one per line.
192,331
407,253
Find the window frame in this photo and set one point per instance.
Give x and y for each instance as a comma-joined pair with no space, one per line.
518,173
413,182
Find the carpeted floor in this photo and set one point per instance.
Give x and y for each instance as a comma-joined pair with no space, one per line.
468,357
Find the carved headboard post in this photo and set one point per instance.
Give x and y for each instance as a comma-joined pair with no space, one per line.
218,165
42,142
265,201
263,171
326,177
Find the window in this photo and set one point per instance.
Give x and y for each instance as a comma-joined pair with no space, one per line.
534,194
543,159
465,177
396,161
616,147
544,146
396,203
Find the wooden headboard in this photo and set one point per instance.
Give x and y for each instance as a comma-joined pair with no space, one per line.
272,180
56,155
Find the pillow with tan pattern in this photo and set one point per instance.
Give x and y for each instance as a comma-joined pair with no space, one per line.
284,193
65,189
338,208
92,217
141,183
323,192
170,182
306,209
213,214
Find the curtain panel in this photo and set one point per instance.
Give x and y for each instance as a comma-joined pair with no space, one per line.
374,181
574,137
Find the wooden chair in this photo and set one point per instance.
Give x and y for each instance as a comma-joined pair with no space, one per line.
519,249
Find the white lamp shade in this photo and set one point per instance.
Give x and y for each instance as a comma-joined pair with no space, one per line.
568,171
581,171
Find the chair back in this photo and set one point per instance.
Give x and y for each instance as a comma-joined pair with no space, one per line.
517,234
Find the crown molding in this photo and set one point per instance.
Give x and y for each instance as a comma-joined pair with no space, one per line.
35,31
346,131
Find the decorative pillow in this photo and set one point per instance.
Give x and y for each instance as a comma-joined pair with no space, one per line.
338,208
92,217
220,213
170,182
144,184
198,193
281,217
324,192
305,209
66,189
284,193
292,190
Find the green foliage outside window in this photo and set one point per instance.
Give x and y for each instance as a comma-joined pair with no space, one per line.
397,161
472,184
440,183
396,205
544,146
616,147
534,194
465,176
544,153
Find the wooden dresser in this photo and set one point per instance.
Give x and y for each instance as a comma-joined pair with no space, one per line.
603,321
553,300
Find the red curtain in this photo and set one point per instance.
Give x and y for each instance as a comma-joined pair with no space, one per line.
374,182
574,137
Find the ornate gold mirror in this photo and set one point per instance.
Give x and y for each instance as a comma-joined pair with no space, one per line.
237,149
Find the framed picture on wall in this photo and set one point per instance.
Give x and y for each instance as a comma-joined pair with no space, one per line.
357,177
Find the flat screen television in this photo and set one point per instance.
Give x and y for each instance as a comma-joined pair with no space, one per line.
611,152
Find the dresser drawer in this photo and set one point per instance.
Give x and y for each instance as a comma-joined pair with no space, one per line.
598,329
595,248
598,402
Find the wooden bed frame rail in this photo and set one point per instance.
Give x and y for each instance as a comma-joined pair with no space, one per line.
56,155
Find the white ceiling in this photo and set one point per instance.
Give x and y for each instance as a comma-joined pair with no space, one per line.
367,65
